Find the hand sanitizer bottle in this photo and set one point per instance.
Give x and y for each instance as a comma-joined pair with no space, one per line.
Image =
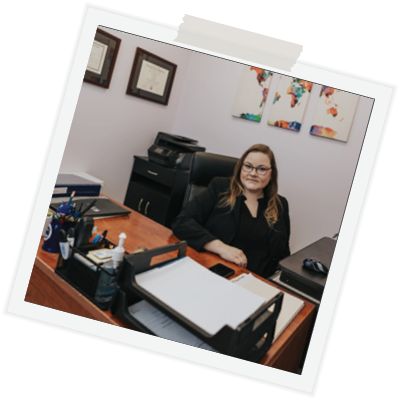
108,283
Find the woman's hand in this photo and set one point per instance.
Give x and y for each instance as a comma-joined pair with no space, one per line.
234,255
228,253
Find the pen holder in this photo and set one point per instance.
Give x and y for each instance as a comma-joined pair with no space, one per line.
51,242
84,274
49,218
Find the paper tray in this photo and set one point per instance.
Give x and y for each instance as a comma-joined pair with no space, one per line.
246,341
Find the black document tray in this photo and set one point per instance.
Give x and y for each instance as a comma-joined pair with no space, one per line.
249,341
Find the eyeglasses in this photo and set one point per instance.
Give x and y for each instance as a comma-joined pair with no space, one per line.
261,171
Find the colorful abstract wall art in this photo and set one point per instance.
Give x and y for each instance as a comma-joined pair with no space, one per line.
334,114
290,103
252,94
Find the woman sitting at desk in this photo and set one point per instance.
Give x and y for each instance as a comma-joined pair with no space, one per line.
242,219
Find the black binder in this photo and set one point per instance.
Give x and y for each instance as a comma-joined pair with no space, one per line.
68,183
304,279
249,341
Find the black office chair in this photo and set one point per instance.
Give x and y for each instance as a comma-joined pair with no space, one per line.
204,167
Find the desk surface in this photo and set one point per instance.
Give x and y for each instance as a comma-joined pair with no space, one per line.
48,289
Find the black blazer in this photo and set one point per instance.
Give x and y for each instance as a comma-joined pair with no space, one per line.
200,222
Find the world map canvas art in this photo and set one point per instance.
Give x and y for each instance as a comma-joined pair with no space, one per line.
252,94
334,114
290,103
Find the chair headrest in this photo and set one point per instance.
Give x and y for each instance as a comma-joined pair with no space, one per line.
205,166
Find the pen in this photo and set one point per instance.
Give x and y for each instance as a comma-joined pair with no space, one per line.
88,207
76,215
70,199
104,235
95,238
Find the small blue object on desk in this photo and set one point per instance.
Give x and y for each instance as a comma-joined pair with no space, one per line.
51,239
62,221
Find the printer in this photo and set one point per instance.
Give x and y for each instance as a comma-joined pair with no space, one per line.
173,151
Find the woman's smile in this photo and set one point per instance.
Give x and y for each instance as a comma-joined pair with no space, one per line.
252,181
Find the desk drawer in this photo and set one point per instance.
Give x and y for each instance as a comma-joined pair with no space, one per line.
157,173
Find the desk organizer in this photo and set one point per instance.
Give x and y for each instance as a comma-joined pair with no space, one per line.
83,278
249,341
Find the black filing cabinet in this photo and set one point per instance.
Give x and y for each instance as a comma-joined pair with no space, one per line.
156,191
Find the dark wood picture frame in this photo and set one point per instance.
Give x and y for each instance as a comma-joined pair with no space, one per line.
104,78
133,90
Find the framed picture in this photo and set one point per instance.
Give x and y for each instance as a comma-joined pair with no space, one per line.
290,103
334,114
102,59
151,77
252,94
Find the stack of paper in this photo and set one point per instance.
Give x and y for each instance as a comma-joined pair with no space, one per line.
163,326
204,298
290,305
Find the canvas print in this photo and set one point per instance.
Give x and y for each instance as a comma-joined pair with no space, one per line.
334,114
252,94
290,103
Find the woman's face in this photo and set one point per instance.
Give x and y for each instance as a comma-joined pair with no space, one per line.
251,181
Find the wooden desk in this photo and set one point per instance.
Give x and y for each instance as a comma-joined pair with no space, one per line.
48,289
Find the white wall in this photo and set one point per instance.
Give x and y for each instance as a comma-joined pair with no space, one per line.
109,126
315,173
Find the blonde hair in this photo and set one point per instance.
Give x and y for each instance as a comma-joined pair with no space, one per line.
271,191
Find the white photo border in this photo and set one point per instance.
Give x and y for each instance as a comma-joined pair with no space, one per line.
305,382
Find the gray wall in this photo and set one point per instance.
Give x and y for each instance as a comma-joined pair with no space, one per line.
109,127
315,173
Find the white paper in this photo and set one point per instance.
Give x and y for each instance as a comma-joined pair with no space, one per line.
60,190
243,278
163,326
97,57
291,305
204,298
152,78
